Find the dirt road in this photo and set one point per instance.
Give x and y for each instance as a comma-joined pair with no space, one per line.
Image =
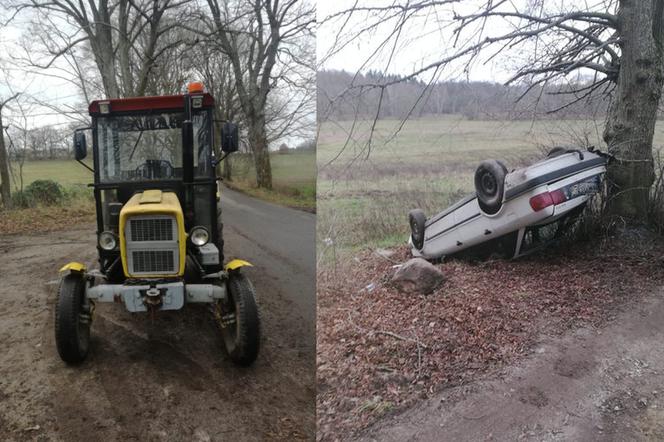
167,380
591,384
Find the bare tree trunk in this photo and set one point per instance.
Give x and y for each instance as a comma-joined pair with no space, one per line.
228,170
259,147
5,186
633,113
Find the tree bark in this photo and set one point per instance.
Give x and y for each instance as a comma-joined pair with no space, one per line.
632,115
226,173
228,169
5,186
259,148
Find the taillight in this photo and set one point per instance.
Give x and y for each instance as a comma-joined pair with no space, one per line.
546,199
558,196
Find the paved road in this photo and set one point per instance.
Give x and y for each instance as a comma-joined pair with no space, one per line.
168,379
588,385
280,241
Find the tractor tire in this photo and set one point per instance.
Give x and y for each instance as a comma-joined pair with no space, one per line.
220,236
242,339
417,220
72,320
490,185
556,152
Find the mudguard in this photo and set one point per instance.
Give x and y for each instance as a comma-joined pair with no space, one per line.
236,264
73,267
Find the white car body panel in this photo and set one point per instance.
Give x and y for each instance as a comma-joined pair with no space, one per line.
464,224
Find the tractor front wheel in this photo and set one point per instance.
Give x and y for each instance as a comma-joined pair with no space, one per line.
240,325
72,320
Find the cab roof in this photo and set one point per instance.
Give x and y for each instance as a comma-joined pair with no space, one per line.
133,104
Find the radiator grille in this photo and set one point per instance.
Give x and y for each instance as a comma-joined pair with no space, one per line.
157,229
152,261
152,245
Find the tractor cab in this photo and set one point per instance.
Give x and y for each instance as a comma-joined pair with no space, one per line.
156,146
159,236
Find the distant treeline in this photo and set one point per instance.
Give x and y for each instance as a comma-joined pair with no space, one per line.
337,100
39,143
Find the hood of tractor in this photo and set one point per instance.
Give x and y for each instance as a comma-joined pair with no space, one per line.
152,235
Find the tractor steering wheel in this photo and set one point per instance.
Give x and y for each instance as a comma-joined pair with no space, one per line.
152,169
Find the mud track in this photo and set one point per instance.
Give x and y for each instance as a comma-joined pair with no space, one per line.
166,379
591,384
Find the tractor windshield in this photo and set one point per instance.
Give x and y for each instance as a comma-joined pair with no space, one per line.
149,147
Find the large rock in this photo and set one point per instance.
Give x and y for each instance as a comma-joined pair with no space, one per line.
418,276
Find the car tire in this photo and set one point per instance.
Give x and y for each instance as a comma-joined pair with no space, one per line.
242,339
490,185
417,220
72,320
556,152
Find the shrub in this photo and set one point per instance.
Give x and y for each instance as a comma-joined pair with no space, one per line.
78,192
22,200
46,192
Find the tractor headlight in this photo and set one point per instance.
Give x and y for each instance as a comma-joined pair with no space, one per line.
107,240
199,236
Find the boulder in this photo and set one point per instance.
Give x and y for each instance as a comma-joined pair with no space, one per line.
418,276
385,253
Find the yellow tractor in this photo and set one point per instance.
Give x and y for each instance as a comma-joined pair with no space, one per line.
159,232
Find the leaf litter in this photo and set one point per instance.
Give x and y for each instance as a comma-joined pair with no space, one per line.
380,351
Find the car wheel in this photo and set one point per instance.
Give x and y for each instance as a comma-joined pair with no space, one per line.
72,320
556,152
417,220
490,185
241,334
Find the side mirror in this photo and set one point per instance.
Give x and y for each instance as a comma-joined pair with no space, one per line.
80,146
229,138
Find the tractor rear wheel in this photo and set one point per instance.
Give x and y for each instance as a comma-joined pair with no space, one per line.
220,234
72,320
241,332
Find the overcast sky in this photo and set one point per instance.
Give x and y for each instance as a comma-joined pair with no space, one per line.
425,39
42,84
38,84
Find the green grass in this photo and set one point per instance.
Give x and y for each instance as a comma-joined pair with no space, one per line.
293,179
293,175
65,172
363,200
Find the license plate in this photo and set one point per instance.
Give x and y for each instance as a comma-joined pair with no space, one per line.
583,187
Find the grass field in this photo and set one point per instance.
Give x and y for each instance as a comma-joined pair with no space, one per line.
65,172
364,201
294,176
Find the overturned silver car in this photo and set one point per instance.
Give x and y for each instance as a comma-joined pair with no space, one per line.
512,213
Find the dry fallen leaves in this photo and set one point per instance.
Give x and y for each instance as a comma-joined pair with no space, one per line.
377,351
